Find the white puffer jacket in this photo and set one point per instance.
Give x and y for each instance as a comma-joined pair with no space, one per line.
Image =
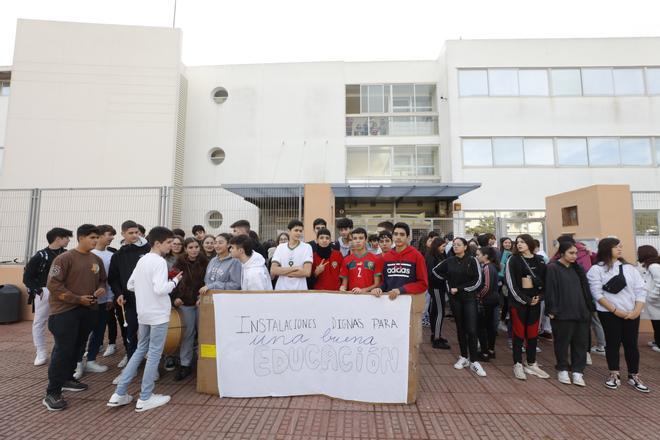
651,277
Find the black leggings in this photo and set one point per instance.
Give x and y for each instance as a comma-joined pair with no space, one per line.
465,313
656,330
620,331
437,312
487,326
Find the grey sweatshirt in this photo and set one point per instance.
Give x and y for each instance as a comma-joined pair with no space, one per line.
223,274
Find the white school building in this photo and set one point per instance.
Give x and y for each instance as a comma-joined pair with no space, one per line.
491,127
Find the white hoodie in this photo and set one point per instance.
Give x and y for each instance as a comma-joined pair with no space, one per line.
254,275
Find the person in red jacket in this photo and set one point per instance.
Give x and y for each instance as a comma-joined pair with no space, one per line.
327,262
361,269
404,268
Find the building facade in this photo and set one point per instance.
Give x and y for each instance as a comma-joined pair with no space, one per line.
493,125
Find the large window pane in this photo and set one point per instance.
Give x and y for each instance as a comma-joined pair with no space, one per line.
657,151
636,151
357,126
646,223
426,125
404,161
603,151
566,82
402,126
375,102
597,81
352,99
424,97
508,151
653,80
629,81
379,161
503,82
357,162
378,126
572,151
539,151
427,157
477,152
364,99
473,82
402,98
533,82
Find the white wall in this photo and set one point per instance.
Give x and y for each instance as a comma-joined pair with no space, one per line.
88,100
526,188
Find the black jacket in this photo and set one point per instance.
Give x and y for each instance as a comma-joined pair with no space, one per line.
35,274
567,294
434,281
488,293
516,269
122,264
463,274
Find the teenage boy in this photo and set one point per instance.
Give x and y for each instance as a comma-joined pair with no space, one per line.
106,236
318,224
385,226
373,245
35,277
292,261
361,271
242,227
404,268
76,279
384,241
152,288
179,233
327,263
343,243
254,275
122,264
199,232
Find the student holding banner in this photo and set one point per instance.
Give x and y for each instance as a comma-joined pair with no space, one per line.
292,261
327,262
254,275
361,270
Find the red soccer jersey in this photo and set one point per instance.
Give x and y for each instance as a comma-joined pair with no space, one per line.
329,278
361,270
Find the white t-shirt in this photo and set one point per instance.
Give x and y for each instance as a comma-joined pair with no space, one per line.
105,255
152,289
287,257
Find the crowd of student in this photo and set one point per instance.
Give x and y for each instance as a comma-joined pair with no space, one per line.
513,287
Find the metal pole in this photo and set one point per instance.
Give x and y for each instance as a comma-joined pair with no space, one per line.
174,16
300,213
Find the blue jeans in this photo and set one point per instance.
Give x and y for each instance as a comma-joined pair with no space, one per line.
151,342
96,339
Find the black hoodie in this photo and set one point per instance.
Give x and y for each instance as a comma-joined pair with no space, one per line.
122,264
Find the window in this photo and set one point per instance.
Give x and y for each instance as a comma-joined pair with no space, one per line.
402,98
597,82
217,156
219,95
427,157
424,98
566,82
628,81
403,126
539,152
653,80
503,82
352,99
214,219
473,82
380,161
636,151
4,88
569,216
657,151
357,162
533,82
426,125
646,223
477,152
508,151
572,152
373,99
404,161
603,151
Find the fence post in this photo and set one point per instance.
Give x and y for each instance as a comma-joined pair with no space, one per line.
33,224
300,202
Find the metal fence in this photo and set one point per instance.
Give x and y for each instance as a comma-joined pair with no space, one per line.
646,206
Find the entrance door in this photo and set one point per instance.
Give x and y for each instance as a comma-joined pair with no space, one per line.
512,227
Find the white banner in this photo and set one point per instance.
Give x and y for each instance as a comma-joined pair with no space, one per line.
353,347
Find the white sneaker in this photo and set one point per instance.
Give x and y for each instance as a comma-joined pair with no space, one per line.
152,402
80,370
519,371
477,369
502,327
651,343
578,379
563,377
656,348
117,400
123,362
115,381
95,367
535,370
598,350
41,359
461,363
589,361
112,348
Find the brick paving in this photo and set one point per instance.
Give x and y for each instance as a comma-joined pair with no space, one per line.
451,404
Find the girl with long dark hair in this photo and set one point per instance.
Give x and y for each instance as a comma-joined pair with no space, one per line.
435,254
649,268
462,273
569,306
618,289
488,301
525,278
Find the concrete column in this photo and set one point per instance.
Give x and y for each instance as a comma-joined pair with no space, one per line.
319,201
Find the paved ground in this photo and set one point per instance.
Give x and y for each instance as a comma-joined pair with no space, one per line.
451,404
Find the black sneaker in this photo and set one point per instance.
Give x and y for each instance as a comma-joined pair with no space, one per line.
54,402
491,354
182,373
633,380
483,357
170,363
74,386
440,344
